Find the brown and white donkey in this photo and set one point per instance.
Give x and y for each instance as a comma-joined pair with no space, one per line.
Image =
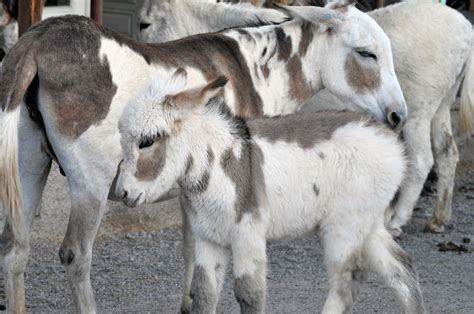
76,77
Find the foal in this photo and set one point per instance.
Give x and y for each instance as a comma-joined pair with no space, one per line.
265,178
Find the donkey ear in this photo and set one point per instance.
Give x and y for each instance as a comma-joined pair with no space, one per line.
324,15
341,5
197,97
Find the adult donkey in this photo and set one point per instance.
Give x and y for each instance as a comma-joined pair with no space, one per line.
77,77
430,64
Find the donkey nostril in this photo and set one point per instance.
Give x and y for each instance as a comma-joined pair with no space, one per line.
124,195
144,26
394,119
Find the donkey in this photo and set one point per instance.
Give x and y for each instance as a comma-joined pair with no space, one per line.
247,181
430,65
76,78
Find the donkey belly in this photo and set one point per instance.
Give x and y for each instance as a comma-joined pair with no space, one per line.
292,189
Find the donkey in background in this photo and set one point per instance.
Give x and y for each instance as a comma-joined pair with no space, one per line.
77,77
266,178
430,64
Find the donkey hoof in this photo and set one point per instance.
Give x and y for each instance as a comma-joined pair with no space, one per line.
186,305
66,256
433,227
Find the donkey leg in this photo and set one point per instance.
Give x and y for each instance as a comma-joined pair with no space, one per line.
34,166
188,255
394,265
446,158
76,250
341,257
250,270
208,276
417,138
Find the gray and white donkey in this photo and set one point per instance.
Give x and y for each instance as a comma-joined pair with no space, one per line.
265,178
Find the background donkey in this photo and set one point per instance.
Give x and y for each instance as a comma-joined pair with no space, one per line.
249,181
430,65
77,78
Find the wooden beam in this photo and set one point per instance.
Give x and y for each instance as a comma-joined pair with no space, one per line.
96,11
29,13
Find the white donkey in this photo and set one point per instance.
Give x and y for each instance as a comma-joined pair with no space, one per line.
76,78
430,64
266,178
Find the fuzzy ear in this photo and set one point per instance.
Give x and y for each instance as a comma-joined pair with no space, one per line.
196,97
326,16
341,5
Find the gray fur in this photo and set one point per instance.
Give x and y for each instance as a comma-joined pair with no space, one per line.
250,293
202,293
300,128
247,175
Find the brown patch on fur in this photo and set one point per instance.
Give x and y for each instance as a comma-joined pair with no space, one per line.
284,44
307,35
300,90
364,79
305,129
150,164
265,70
247,175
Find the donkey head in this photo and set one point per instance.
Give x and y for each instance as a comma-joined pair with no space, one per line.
357,63
155,150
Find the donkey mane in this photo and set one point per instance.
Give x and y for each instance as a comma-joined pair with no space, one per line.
257,23
238,125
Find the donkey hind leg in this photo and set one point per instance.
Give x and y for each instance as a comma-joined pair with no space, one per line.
342,260
208,276
188,255
34,167
250,270
417,138
393,264
76,250
446,158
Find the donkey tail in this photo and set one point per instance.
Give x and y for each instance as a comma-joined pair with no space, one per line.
17,72
9,174
466,112
396,267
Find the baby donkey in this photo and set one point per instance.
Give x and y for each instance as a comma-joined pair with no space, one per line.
265,178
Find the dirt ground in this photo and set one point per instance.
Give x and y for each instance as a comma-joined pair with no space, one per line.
137,264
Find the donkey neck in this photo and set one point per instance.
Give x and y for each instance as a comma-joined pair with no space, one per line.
210,133
283,62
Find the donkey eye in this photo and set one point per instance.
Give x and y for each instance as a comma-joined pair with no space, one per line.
145,143
366,54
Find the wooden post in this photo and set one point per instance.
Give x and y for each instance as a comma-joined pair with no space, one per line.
96,11
379,3
29,13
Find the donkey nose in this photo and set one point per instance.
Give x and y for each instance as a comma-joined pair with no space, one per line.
396,119
144,25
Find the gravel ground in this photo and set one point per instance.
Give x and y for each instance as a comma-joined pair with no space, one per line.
138,271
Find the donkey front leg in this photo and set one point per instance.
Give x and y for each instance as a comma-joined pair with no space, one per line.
208,276
34,167
76,250
188,255
250,270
